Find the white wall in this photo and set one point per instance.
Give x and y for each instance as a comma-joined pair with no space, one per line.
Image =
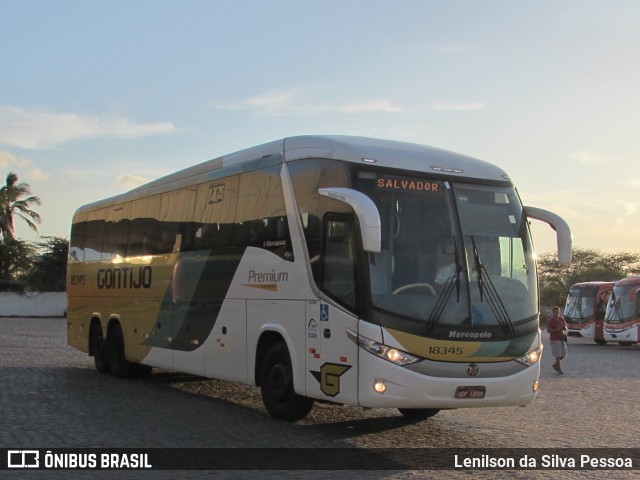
45,304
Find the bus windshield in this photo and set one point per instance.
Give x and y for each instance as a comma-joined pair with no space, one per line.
624,305
580,304
452,253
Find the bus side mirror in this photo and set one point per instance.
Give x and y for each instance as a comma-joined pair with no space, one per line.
563,232
366,211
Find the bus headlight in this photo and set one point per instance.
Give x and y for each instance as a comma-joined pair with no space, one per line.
532,357
394,355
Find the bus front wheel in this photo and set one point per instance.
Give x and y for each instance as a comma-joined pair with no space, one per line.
418,413
276,385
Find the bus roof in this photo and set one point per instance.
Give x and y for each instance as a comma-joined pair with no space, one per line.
392,154
628,281
362,150
595,283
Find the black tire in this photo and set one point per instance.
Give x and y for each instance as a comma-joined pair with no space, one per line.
99,349
119,366
276,385
143,371
601,342
418,413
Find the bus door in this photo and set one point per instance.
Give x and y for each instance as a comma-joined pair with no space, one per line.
600,310
332,371
332,358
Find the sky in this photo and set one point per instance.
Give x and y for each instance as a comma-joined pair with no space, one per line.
97,98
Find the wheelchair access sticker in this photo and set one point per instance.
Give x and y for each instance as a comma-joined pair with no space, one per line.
324,312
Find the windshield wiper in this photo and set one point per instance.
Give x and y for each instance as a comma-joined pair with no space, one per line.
447,290
617,309
493,298
479,268
458,267
573,306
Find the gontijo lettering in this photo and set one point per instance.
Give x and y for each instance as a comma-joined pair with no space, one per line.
125,277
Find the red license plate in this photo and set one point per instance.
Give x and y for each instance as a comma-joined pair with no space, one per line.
470,392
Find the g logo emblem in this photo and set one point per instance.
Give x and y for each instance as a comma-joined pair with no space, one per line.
329,377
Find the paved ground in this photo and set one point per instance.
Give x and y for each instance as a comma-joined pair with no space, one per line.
51,397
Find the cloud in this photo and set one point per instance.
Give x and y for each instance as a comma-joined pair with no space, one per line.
36,174
629,208
448,107
313,100
632,182
589,158
8,160
624,210
38,129
275,102
76,174
305,101
371,107
131,181
23,167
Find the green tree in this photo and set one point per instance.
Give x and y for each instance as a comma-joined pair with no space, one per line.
587,265
49,269
16,201
15,261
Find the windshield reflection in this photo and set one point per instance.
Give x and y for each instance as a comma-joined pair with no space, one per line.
478,271
624,305
580,304
500,255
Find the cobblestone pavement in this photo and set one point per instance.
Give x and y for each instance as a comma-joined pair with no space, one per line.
52,397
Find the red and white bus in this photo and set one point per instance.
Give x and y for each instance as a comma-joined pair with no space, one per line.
585,310
622,321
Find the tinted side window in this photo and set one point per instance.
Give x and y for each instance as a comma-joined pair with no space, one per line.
245,210
338,266
116,231
143,226
77,241
261,216
93,240
308,176
176,218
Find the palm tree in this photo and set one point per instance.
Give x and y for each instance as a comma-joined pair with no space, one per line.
15,201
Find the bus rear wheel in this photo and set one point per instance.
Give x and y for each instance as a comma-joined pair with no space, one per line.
276,385
119,366
99,349
418,413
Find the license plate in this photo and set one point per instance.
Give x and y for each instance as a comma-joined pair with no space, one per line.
470,392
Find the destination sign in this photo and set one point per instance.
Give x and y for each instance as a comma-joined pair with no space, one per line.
409,184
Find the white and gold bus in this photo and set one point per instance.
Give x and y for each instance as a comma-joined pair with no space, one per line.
344,269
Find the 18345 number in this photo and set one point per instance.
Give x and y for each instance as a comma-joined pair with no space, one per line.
445,350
